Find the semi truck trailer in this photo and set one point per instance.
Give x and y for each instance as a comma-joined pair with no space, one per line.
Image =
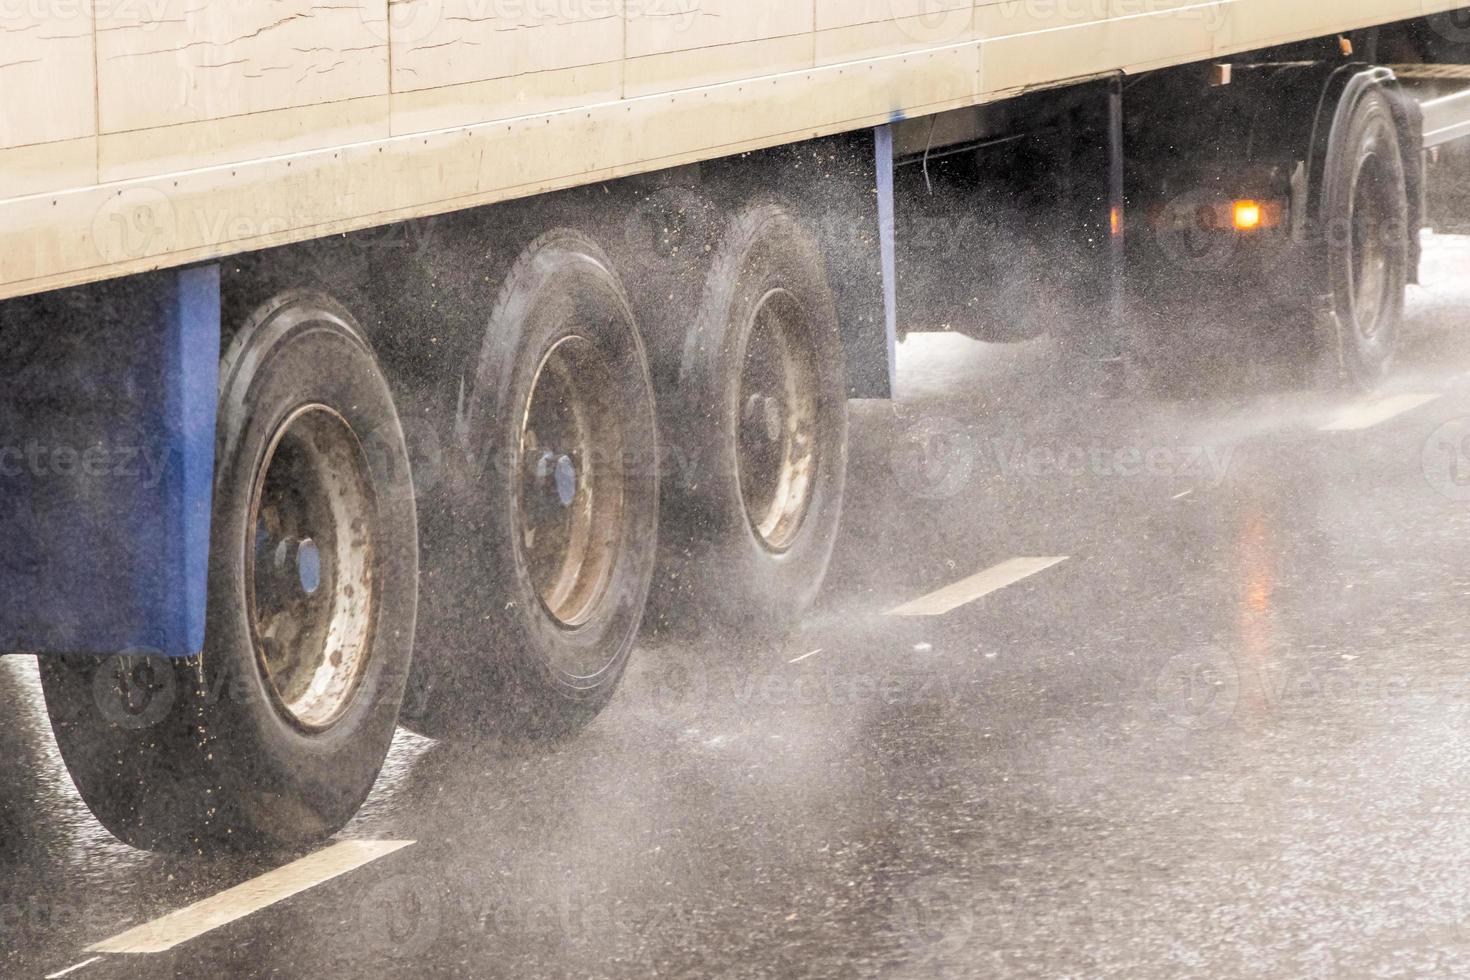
391,362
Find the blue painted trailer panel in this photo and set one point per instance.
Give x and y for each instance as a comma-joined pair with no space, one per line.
107,416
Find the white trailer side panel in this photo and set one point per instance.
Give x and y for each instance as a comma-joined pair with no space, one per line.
136,134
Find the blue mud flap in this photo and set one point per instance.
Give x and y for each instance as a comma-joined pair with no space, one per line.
887,243
107,415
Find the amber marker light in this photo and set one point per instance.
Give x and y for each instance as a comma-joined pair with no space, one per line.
1247,215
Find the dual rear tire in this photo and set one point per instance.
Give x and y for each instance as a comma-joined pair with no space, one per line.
542,547
1231,307
757,444
574,505
1365,228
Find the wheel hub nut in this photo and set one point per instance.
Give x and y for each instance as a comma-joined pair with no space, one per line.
557,472
300,559
765,411
772,418
566,480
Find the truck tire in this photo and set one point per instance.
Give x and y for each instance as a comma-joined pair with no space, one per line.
275,733
539,562
1365,220
756,435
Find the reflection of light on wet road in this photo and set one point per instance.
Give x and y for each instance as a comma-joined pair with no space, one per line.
1256,551
29,711
939,365
87,844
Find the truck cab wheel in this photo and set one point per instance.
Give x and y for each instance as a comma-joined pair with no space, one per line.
755,429
1365,220
274,735
539,555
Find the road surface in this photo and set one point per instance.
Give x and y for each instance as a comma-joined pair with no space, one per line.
1098,686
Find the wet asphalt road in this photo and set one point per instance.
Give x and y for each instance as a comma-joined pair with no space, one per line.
1229,735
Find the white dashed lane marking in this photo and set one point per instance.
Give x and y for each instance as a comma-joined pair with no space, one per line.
1376,412
797,660
168,931
981,584
71,969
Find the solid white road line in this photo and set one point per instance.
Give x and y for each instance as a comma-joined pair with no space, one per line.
969,589
72,969
797,660
165,933
1368,414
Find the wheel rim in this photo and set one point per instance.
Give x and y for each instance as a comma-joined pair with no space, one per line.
1371,252
309,567
570,505
777,441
